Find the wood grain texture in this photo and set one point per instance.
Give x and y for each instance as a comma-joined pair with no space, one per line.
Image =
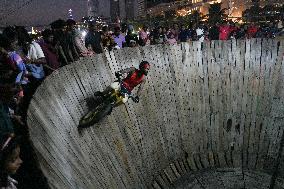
211,105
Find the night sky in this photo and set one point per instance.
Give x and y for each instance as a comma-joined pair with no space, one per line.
39,12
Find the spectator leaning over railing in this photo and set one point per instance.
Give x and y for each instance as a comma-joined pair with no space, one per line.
33,56
159,36
144,36
50,51
65,39
93,39
214,32
175,31
131,38
224,31
57,28
70,40
14,59
118,38
171,39
200,32
107,39
80,45
252,31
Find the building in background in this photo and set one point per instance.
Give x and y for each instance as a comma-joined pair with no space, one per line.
129,9
99,8
263,3
70,14
115,10
125,10
181,7
141,8
92,8
234,8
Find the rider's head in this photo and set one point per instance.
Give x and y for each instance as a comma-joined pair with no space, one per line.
144,67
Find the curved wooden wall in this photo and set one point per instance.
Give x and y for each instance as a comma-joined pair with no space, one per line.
220,104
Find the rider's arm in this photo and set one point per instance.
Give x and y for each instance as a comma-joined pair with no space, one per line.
140,88
127,70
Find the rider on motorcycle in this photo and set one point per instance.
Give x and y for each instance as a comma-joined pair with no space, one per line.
134,78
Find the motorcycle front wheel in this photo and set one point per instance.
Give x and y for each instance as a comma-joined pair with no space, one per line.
95,115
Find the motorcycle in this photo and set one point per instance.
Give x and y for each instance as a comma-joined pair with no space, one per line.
114,98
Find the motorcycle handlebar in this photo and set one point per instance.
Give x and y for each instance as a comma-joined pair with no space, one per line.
118,76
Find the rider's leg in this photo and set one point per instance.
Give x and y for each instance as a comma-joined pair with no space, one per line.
108,90
104,93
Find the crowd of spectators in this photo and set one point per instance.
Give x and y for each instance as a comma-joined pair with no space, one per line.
25,61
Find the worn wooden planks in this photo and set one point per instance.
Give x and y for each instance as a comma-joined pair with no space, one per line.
216,104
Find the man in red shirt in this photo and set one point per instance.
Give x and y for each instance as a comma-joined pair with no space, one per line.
224,31
252,30
134,78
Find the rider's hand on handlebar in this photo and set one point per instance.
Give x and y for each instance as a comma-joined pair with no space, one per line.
136,99
118,74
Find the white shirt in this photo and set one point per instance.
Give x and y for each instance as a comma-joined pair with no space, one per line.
200,33
35,52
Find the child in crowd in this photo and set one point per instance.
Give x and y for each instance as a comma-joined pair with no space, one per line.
10,160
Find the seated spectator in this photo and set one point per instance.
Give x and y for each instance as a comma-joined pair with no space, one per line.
10,160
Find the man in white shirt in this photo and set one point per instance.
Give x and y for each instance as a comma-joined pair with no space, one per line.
36,59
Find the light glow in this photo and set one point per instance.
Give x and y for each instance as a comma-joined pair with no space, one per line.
84,33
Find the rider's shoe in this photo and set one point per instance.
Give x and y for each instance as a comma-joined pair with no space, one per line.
99,93
109,112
